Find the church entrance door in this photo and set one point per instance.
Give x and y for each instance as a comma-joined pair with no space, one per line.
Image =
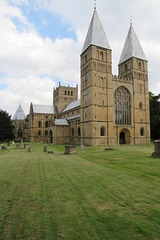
122,138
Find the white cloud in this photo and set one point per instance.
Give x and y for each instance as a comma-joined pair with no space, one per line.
19,2
25,90
25,56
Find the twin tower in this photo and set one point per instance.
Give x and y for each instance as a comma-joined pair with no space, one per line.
114,109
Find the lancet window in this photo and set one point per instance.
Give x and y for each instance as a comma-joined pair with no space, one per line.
122,106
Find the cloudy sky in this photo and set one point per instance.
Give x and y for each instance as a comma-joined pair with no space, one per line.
41,42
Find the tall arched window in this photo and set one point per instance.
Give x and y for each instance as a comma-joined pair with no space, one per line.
39,133
46,124
125,68
79,131
142,131
122,106
19,133
139,65
102,132
101,56
39,124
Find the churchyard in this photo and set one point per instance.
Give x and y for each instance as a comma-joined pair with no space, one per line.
92,195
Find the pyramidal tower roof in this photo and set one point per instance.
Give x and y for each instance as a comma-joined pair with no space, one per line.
132,47
19,115
96,35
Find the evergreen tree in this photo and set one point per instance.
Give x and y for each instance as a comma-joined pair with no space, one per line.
6,128
155,115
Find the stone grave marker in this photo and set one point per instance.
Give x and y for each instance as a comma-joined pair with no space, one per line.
44,149
82,148
18,146
156,152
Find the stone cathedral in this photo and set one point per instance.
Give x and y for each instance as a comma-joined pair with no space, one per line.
112,110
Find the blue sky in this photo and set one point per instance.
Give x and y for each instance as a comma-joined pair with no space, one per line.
41,43
46,23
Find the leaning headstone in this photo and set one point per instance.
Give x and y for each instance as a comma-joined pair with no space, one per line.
82,149
156,152
18,146
44,149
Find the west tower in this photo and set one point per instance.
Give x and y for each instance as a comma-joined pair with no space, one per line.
96,86
133,66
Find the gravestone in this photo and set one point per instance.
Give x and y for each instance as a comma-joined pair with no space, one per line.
156,152
70,149
18,146
29,149
44,149
82,149
26,146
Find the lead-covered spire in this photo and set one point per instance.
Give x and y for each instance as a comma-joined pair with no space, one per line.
132,47
96,35
19,115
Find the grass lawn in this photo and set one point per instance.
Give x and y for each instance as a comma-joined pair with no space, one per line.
89,196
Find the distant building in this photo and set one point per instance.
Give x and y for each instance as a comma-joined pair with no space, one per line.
112,110
18,122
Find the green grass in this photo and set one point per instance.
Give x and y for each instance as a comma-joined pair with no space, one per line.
89,196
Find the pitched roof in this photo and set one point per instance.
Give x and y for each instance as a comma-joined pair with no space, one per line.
46,109
61,122
132,47
96,35
73,117
72,105
19,114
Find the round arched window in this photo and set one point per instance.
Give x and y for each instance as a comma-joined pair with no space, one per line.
39,133
142,131
102,131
